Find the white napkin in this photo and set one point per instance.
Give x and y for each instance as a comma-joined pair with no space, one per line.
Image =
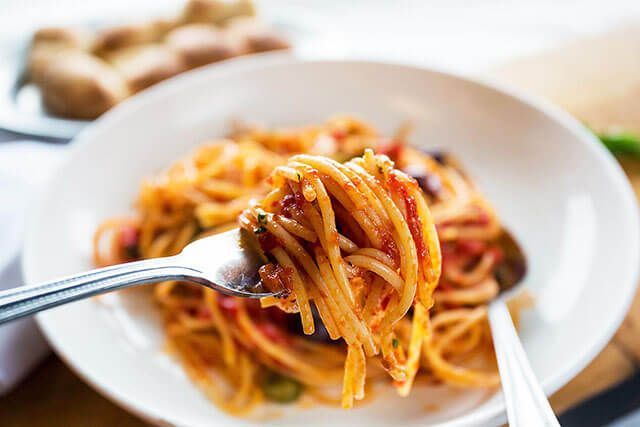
24,169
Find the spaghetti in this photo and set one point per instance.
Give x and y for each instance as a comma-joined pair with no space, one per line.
389,260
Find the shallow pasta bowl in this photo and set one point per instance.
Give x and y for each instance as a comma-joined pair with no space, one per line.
554,186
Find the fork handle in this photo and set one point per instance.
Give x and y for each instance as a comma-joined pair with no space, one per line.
26,300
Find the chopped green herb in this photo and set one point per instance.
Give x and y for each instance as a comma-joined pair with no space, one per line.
281,389
395,343
262,218
299,176
260,230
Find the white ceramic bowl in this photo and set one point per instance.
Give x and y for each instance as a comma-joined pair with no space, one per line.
558,190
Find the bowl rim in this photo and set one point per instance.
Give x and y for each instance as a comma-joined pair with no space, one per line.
551,112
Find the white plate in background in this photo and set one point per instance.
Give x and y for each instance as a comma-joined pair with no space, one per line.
563,196
21,108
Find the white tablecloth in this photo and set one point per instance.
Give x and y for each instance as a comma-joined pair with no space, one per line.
24,169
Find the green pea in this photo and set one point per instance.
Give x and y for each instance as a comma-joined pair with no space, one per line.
281,389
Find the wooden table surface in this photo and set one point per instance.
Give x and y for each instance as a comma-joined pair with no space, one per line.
596,79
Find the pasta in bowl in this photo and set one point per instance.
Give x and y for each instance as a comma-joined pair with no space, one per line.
353,245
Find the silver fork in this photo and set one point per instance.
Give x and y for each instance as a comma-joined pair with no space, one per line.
226,262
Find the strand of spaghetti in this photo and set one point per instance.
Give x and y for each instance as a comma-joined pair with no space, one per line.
221,189
477,294
376,254
408,254
183,237
193,324
295,228
348,385
393,354
147,234
197,370
359,193
460,376
342,307
287,172
162,290
109,228
432,263
448,234
333,170
451,317
456,374
419,333
448,317
161,244
380,218
372,302
314,217
363,220
472,339
330,377
325,227
448,211
273,196
377,212
348,222
273,350
247,371
298,288
358,326
379,268
325,314
330,232
332,175
469,278
360,373
371,199
228,346
346,244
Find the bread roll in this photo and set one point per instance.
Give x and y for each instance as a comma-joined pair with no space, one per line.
70,37
48,43
79,85
162,26
145,65
122,36
201,44
216,11
255,36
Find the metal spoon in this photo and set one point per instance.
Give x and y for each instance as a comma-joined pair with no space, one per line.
227,262
526,403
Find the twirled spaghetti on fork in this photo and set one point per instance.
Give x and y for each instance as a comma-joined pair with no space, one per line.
389,260
358,240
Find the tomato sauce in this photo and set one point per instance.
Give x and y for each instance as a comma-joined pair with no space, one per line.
413,221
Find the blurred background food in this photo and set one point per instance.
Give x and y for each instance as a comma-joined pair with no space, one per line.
82,73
